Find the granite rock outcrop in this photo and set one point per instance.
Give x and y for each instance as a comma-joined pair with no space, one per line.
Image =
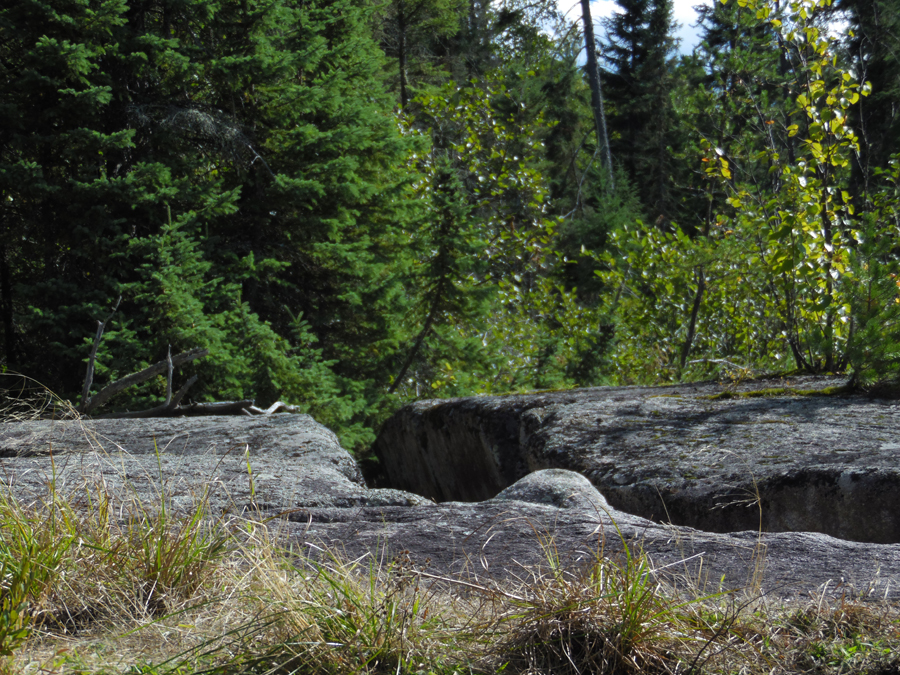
292,473
235,464
791,455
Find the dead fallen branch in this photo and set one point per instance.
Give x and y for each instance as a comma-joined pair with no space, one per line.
172,406
244,407
89,375
142,376
277,407
190,410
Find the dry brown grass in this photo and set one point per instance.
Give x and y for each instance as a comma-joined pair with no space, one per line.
23,399
253,606
102,583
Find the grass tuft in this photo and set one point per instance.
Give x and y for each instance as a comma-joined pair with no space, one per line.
23,399
95,582
612,616
194,596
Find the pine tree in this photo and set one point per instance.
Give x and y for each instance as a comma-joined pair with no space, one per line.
639,53
412,34
336,213
176,303
873,45
65,195
246,120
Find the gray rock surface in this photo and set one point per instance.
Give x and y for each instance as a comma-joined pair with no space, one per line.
556,487
558,513
309,491
785,462
235,463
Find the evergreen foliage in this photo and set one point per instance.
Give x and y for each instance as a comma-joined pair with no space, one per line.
243,118
873,46
413,34
352,206
640,53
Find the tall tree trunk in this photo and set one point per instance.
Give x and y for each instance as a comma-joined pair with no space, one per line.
420,338
593,68
830,312
9,335
695,310
401,53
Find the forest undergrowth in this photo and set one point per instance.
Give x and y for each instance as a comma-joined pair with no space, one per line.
482,221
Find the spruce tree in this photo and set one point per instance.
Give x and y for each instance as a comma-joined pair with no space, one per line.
246,120
67,195
873,45
639,53
412,33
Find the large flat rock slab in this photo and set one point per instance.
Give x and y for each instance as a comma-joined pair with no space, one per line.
767,455
559,513
234,464
292,473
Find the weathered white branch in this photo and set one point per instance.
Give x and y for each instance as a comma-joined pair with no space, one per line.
142,376
277,407
89,375
170,368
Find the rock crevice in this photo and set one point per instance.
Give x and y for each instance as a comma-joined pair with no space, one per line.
767,455
291,474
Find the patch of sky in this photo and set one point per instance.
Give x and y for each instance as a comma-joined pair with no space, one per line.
684,14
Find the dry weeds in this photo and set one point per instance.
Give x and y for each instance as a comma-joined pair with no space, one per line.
93,582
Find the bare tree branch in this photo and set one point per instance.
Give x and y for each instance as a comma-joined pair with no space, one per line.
181,392
277,407
192,410
593,69
89,375
170,367
217,408
142,376
172,406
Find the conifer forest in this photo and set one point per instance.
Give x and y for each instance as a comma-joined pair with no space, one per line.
353,204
